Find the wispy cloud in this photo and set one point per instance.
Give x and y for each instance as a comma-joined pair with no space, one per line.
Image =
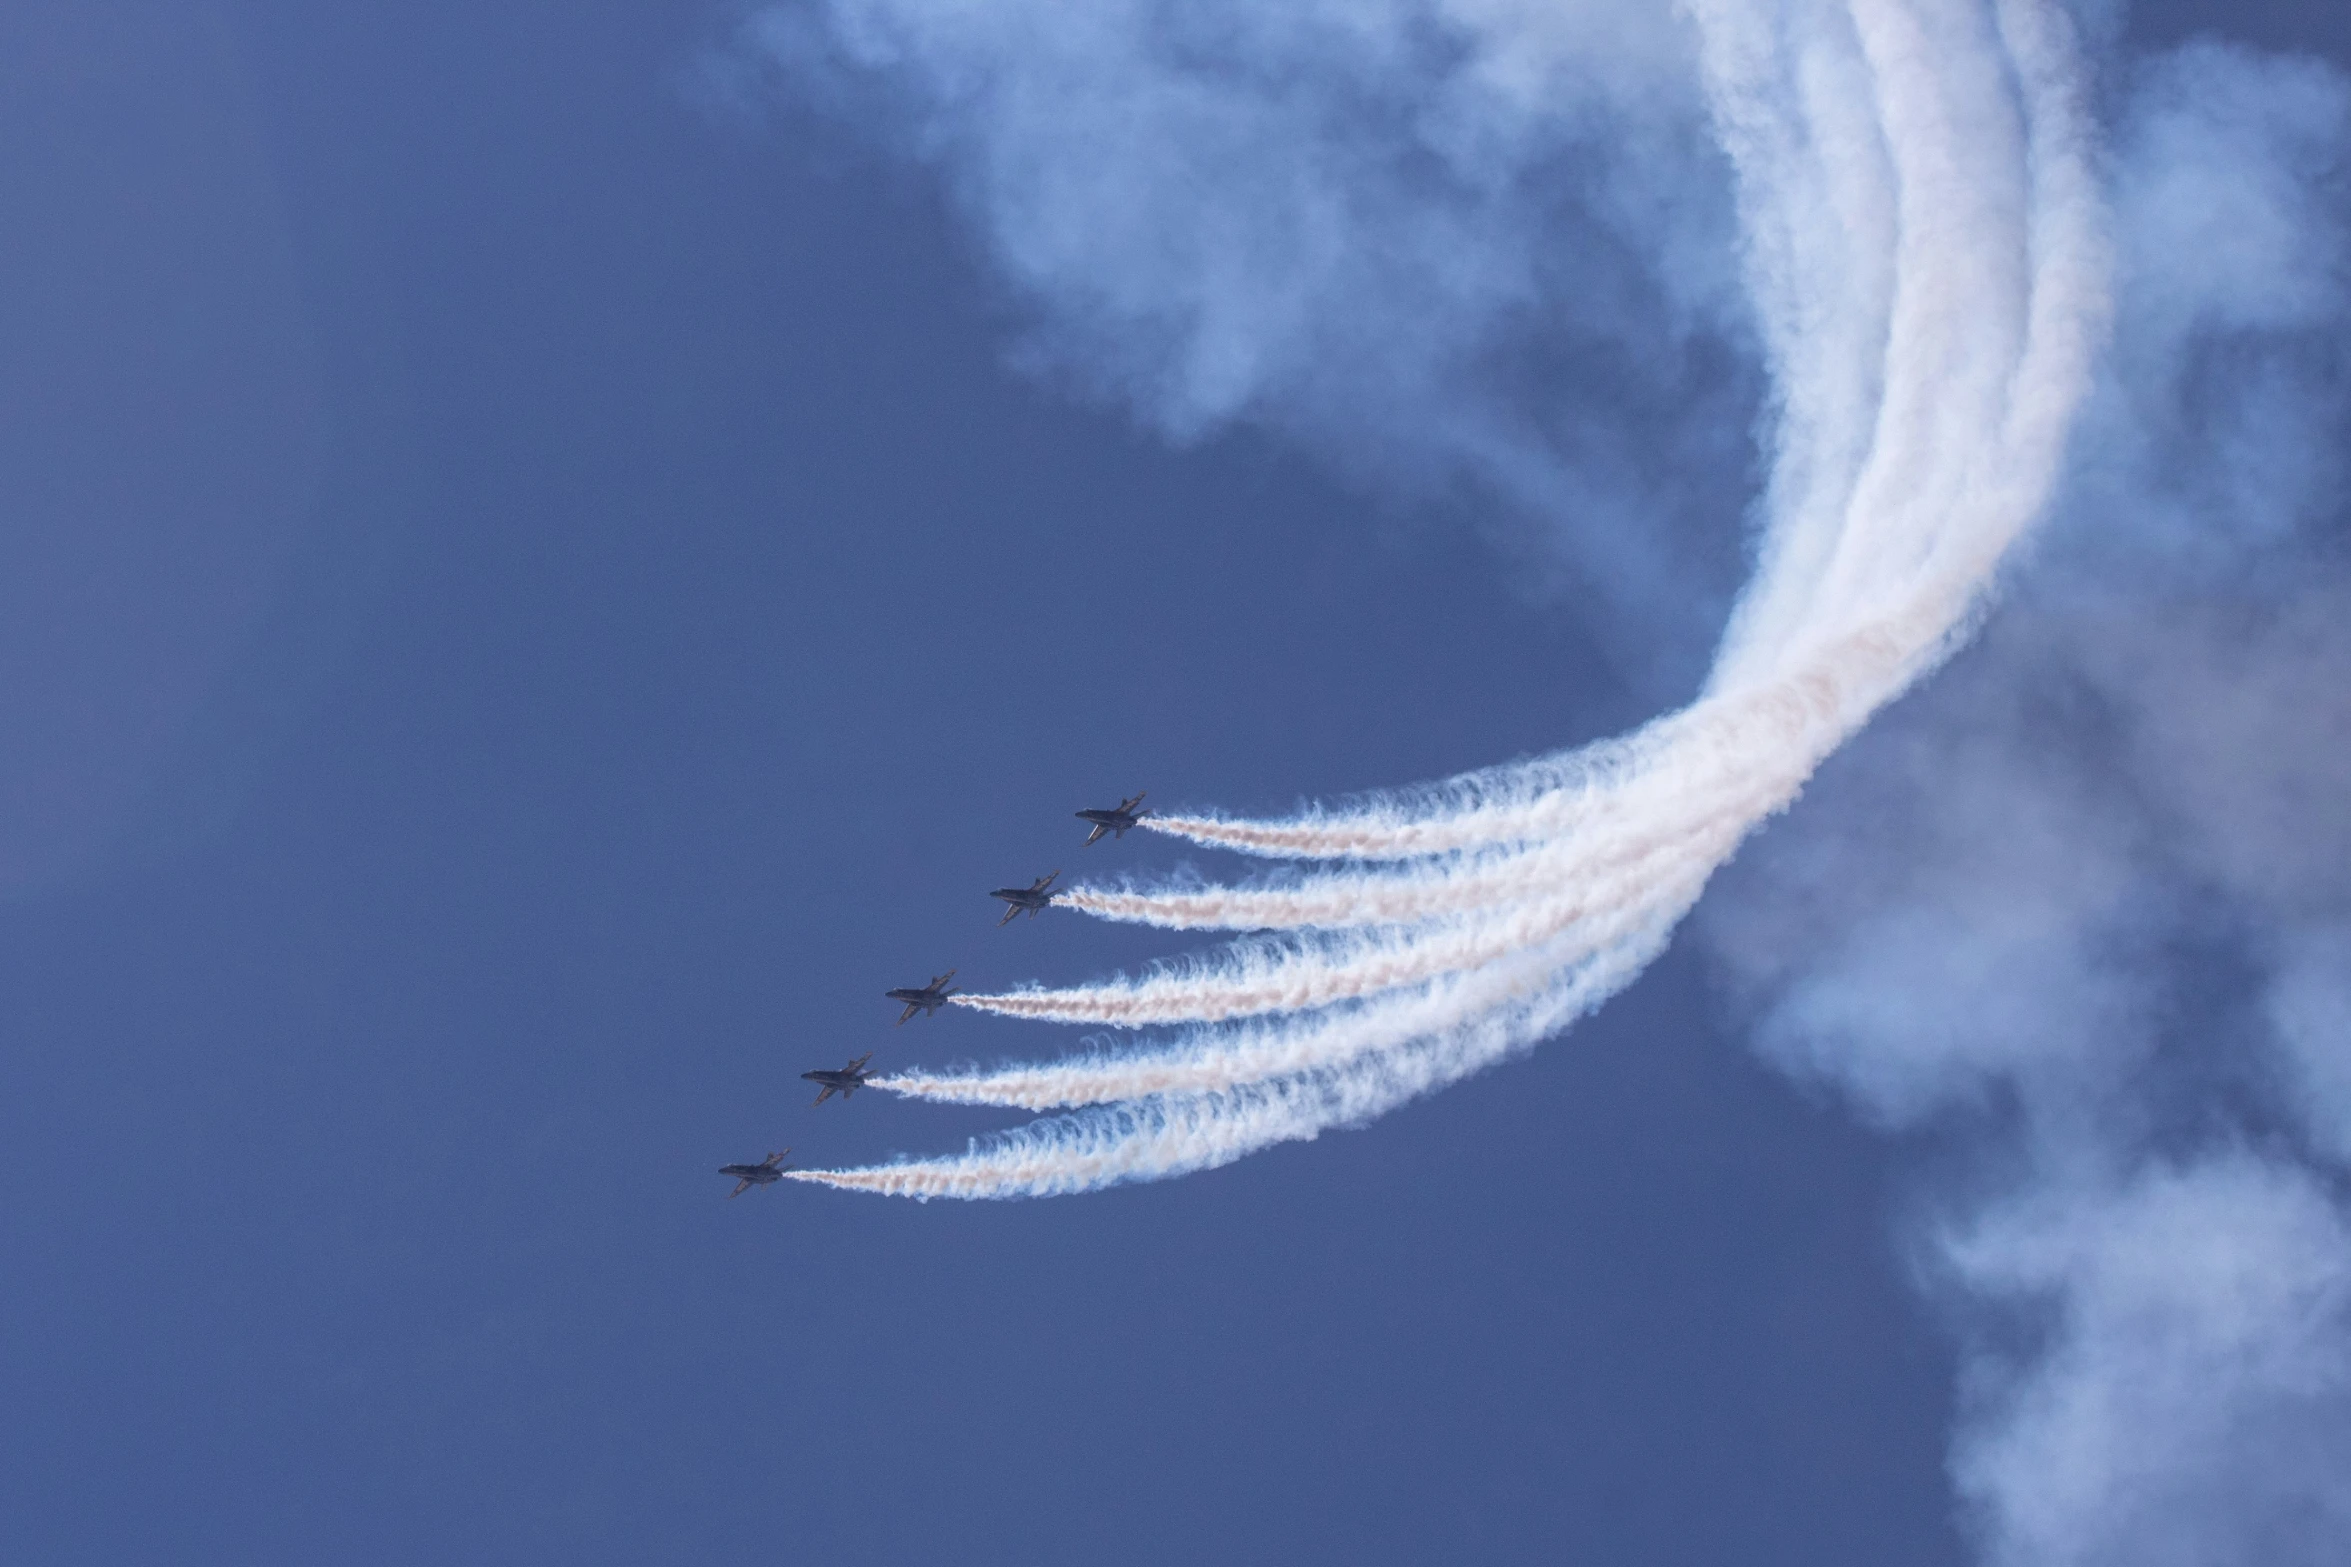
2081,901
1382,230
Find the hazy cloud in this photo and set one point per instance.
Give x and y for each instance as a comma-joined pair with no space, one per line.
1475,246
2082,900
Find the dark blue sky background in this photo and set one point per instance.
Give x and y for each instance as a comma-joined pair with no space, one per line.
529,603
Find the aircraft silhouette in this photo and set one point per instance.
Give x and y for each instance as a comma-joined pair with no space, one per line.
925,999
844,1082
1032,898
766,1172
1114,820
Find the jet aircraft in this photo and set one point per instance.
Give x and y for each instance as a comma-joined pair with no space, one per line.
844,1082
1032,898
1114,821
927,999
766,1172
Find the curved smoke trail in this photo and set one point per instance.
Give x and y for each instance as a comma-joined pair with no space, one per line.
1926,260
1728,759
1218,1060
1253,980
1168,1133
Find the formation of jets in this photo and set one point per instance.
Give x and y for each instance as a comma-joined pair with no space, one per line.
927,999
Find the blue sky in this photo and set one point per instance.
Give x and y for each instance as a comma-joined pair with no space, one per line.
536,593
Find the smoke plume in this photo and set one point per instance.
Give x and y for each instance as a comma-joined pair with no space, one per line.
2078,903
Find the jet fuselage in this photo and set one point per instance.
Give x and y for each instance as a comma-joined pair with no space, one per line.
925,999
1114,820
1035,896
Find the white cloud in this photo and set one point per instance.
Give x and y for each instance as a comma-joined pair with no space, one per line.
2309,1005
2190,1402
1386,230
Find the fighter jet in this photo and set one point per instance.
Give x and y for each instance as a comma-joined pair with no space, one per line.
844,1082
766,1172
927,999
1032,898
1115,821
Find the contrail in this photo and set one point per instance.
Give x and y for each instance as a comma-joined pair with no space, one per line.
1853,670
1251,983
1163,1135
1462,886
1704,775
1929,274
1667,871
1594,960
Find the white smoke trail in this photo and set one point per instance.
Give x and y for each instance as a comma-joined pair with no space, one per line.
1253,980
1592,961
1930,278
1849,671
1818,205
1166,1134
1464,885
1701,774
1655,866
